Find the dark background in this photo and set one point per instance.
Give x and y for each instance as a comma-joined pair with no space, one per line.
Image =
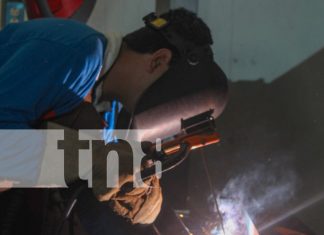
274,129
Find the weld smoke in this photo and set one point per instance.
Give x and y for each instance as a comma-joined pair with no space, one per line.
261,188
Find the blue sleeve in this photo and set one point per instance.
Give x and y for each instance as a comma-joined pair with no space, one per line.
40,76
80,78
36,77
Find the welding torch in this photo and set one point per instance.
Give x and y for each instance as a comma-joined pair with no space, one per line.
196,132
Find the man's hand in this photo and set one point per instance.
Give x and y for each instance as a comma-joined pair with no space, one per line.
139,205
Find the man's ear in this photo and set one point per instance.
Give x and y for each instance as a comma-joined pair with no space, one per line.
160,60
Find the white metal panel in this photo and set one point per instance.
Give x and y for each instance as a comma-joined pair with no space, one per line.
191,5
121,16
263,39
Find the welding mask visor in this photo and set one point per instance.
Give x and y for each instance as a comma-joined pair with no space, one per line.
184,91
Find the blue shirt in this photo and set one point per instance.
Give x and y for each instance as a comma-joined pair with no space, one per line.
45,65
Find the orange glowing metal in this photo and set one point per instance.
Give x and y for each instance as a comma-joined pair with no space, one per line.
194,141
202,140
172,149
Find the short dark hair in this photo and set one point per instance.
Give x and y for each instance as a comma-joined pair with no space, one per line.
183,22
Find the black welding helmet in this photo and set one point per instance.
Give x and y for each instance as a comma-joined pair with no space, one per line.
194,86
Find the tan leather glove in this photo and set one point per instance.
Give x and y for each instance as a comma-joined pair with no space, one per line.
140,205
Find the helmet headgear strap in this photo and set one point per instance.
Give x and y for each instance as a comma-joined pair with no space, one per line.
187,49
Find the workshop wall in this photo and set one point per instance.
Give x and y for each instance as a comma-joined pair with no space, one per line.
263,39
191,5
115,15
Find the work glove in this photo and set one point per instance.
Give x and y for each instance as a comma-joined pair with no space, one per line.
140,205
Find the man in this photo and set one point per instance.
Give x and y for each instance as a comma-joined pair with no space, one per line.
50,67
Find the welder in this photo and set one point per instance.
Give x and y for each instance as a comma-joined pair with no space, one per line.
50,67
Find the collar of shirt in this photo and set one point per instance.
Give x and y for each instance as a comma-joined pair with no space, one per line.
110,109
111,54
112,51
